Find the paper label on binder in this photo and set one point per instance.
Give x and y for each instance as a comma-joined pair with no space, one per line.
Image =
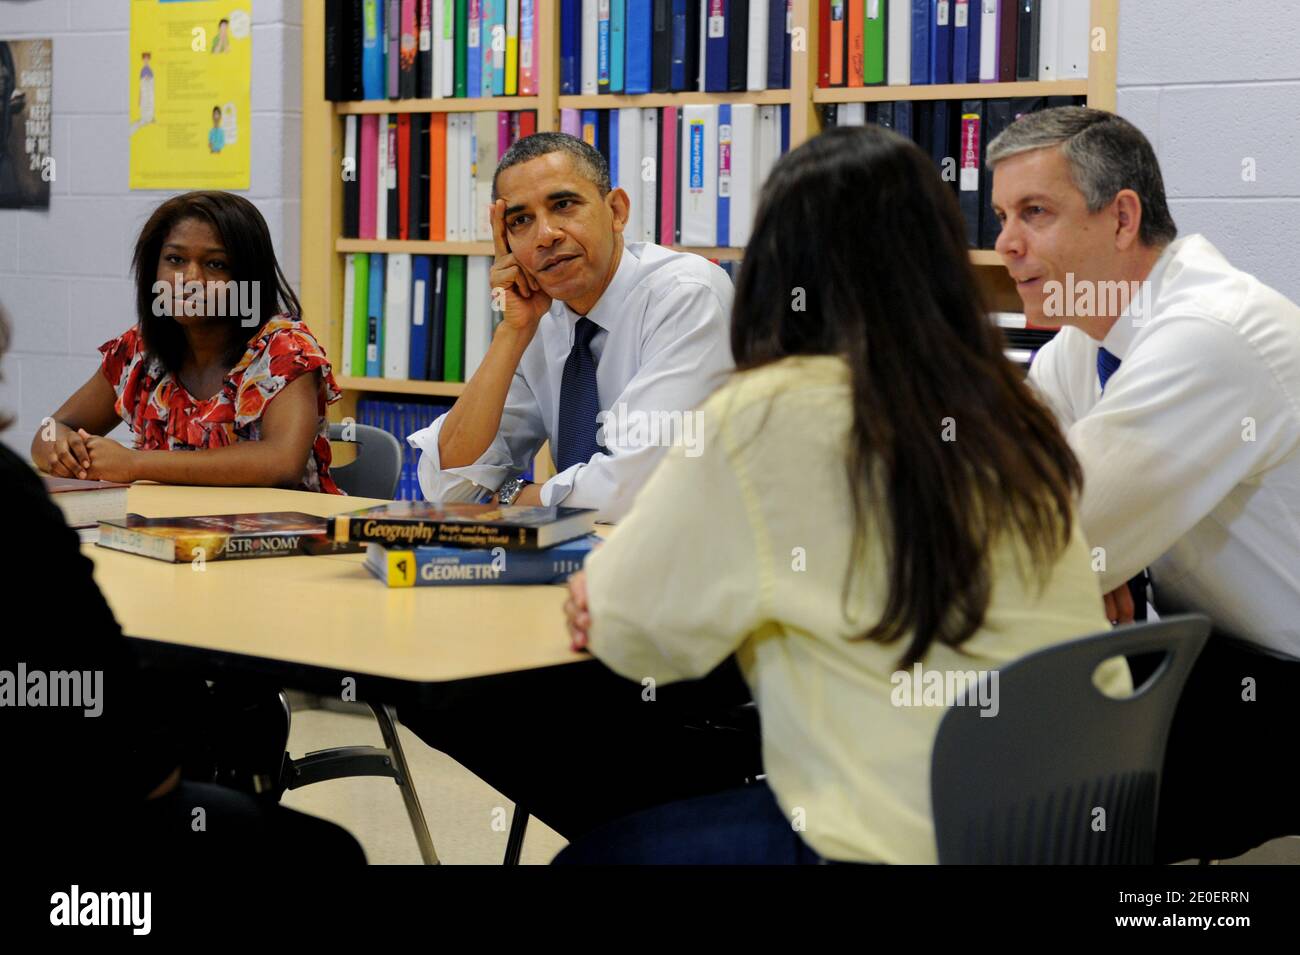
969,181
941,13
961,16
417,313
697,155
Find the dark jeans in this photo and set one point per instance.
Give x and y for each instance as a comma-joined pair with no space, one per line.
742,826
579,745
1230,776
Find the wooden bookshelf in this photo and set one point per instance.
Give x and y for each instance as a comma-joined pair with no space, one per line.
322,247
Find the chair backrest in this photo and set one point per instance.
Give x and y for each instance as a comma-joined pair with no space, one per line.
1062,774
378,464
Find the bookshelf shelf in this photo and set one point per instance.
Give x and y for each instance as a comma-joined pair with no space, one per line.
777,97
465,105
878,94
400,386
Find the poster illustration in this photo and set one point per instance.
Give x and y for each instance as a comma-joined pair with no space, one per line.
26,83
190,82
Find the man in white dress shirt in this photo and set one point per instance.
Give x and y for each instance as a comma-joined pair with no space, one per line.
649,323
595,332
1177,380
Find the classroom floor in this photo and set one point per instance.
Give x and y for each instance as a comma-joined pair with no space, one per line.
467,818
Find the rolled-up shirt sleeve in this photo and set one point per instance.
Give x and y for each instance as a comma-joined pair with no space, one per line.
687,357
518,439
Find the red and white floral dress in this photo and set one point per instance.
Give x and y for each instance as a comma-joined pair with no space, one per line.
163,416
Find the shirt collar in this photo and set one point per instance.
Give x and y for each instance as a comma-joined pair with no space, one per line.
1137,315
611,302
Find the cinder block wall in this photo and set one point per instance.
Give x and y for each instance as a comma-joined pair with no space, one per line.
1215,85
64,271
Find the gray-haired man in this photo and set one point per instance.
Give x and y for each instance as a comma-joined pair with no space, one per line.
1177,379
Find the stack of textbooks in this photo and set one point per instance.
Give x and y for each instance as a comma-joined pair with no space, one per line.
671,46
86,503
416,317
200,540
692,172
956,134
922,42
411,544
402,418
431,49
425,175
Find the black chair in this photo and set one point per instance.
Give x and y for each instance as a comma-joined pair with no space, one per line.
378,464
1025,786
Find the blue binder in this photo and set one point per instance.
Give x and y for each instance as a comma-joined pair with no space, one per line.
922,18
570,46
724,200
678,81
775,43
375,316
639,41
617,43
421,272
715,46
940,41
474,60
374,81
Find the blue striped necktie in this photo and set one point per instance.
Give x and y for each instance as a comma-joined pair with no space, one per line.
579,401
1107,365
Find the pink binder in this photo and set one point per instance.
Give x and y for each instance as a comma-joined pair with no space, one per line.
668,177
367,172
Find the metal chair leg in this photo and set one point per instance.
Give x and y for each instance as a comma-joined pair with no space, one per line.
388,727
515,841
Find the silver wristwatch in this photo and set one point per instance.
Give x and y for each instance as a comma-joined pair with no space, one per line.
510,490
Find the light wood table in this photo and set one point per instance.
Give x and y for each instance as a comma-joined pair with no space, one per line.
309,622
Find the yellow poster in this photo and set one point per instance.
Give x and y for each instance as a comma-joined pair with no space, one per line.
191,73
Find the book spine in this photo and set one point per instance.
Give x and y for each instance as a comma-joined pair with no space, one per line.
393,532
449,567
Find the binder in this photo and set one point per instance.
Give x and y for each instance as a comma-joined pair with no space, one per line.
503,143
424,51
460,76
466,180
403,171
661,52
941,42
397,316
453,361
769,144
407,51
336,43
1027,41
497,50
716,46
393,62
421,299
898,51
699,162
437,319
452,177
358,318
668,175
737,45
1008,33
604,140
627,170
989,27
961,25
617,44
438,177
351,182
375,317
873,42
474,51
836,41
418,195
444,48
1075,30
391,191
528,48
855,34
478,312
487,38
374,48
723,234
485,164
744,185
776,44
570,41
602,45
970,163
649,176
380,183
679,179
884,116
824,43
685,63
640,40
510,79
588,62
756,63
589,128
349,306
903,118
923,17
1049,40
571,122
527,122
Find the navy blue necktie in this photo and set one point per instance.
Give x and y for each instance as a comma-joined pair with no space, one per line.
579,401
1107,364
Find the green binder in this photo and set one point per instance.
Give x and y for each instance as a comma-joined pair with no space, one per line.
360,307
873,41
453,356
462,39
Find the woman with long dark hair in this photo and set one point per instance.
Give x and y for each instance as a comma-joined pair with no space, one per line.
219,363
876,494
